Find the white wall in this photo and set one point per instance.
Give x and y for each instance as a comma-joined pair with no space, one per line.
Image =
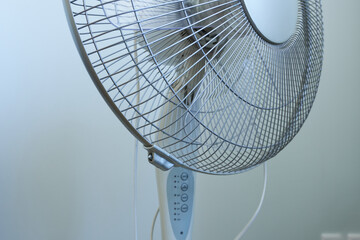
66,161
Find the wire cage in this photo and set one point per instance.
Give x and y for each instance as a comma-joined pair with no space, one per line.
195,79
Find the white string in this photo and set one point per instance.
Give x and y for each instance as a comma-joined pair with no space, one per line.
252,219
136,145
153,224
135,188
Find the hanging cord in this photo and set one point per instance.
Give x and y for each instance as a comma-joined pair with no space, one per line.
136,144
153,224
135,188
252,219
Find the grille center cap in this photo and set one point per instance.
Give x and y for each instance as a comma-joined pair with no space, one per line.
274,20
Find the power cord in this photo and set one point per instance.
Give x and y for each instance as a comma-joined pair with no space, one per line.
252,219
135,188
153,224
136,141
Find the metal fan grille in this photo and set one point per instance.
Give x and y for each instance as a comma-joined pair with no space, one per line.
237,98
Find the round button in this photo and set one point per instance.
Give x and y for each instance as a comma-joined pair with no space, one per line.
184,197
184,208
184,176
184,187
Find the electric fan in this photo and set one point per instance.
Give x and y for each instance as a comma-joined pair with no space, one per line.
212,86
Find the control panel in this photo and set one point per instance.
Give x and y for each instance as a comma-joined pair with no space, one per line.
180,194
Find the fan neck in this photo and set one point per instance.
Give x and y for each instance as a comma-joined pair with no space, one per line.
274,20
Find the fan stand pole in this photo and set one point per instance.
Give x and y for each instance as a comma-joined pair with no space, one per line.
175,186
175,190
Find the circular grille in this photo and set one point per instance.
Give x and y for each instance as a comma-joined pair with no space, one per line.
196,80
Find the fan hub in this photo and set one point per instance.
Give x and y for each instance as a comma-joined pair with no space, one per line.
274,20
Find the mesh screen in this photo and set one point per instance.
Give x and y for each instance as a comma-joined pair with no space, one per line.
194,77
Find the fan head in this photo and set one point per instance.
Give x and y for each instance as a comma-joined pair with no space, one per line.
196,82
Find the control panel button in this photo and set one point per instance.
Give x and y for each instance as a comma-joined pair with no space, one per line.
184,208
184,176
184,187
184,197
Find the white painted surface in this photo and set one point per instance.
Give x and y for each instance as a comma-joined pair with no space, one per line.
66,161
